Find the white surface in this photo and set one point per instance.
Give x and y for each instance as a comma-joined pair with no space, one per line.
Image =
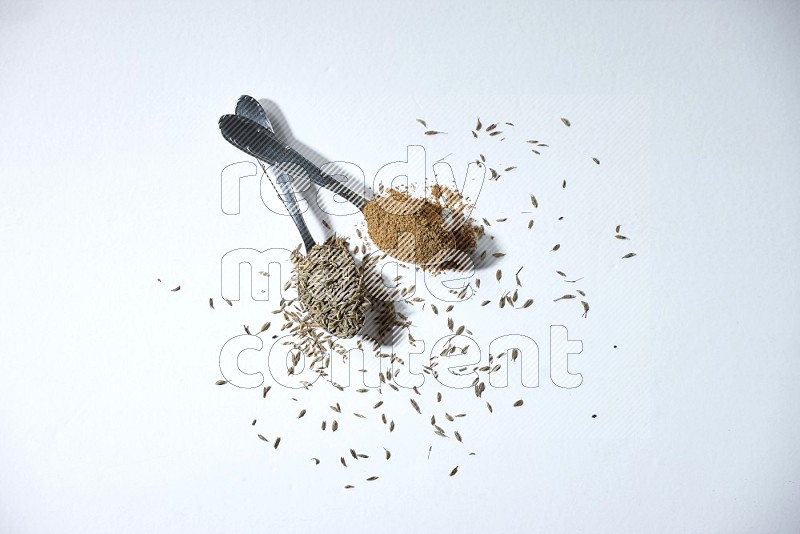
111,160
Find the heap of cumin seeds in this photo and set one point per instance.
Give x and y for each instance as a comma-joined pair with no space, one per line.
331,287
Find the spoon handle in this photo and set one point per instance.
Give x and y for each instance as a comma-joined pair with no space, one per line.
249,107
289,199
256,140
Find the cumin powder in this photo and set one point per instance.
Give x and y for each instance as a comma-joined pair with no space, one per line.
418,230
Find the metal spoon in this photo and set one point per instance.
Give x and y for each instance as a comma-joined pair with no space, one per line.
248,109
283,180
250,131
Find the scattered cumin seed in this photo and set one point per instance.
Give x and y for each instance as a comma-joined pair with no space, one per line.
262,438
534,202
597,161
556,247
433,132
211,303
277,442
454,471
370,479
629,255
221,382
301,414
176,288
566,122
519,403
422,122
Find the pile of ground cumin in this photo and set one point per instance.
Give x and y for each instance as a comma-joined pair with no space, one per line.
429,232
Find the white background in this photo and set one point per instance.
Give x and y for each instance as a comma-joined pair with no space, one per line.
110,161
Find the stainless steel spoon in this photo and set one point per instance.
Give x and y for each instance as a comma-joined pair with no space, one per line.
248,107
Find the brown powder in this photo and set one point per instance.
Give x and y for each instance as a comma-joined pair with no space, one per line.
421,231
